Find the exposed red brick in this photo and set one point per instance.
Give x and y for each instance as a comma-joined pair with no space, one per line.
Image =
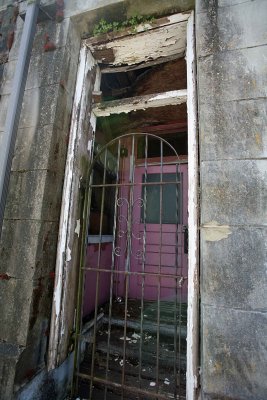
10,39
49,45
5,277
52,275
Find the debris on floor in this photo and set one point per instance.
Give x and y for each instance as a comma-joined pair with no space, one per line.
147,364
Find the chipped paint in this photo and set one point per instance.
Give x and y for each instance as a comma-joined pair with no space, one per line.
57,302
173,97
213,232
64,220
68,254
91,62
78,227
193,250
153,44
92,115
69,225
173,94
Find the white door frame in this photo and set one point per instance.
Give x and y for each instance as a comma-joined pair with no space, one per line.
192,372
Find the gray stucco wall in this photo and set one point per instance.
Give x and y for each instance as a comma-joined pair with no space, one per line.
232,88
29,237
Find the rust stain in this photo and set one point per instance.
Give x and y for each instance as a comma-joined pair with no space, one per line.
218,367
258,139
10,39
254,83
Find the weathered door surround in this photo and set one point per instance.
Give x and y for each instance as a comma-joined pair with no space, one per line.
88,80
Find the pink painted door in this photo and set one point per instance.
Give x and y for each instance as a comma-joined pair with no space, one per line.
157,253
158,240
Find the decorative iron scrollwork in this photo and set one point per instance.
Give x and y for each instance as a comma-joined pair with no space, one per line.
128,233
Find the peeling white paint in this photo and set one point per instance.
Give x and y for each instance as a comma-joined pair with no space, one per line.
90,146
92,119
142,47
97,80
179,17
91,62
172,94
78,227
55,332
57,301
213,232
193,262
172,19
173,97
68,228
92,115
68,254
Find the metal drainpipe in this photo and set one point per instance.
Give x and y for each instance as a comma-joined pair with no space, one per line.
15,102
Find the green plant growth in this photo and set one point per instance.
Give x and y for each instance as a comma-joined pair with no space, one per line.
104,27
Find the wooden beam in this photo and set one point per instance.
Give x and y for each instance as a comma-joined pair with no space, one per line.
127,105
125,68
154,43
173,127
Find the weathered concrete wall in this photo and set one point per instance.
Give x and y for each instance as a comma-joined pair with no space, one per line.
232,80
29,237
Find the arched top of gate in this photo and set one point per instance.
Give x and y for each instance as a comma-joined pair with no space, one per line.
118,140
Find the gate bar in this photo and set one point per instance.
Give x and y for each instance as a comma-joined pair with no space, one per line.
112,264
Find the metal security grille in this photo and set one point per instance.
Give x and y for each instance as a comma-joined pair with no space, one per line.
130,340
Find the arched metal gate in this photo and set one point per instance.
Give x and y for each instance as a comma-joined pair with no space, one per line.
130,340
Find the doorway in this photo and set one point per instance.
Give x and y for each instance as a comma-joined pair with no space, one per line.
164,115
